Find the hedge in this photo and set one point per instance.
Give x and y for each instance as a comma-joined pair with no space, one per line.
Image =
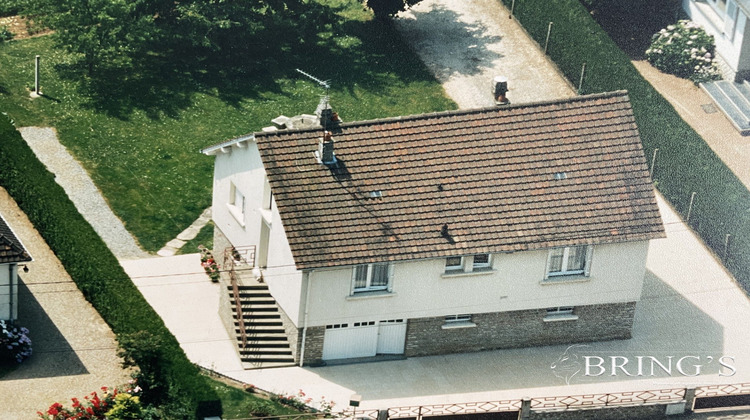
685,163
91,265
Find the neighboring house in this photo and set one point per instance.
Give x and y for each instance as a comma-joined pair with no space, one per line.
12,253
727,21
446,232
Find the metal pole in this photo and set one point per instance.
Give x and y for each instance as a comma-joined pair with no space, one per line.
512,6
726,246
653,162
546,42
36,76
580,82
690,207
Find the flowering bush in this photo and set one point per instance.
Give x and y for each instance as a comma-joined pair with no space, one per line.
94,406
209,264
304,403
15,344
685,50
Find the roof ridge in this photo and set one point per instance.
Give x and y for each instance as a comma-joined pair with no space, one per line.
455,112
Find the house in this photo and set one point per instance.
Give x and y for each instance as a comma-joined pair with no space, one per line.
12,253
727,21
446,232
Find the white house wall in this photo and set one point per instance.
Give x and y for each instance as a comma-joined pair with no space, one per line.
516,283
729,46
243,167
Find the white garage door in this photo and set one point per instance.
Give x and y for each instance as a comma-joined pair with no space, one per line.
364,339
391,336
343,341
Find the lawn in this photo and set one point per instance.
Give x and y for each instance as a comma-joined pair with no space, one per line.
138,135
685,163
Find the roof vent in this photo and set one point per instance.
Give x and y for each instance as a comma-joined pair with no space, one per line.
560,175
376,194
325,149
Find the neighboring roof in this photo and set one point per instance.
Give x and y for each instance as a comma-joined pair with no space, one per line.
465,182
11,249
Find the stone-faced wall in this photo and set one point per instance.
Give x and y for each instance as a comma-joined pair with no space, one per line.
426,336
645,412
314,346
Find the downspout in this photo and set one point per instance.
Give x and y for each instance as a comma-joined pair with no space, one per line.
304,322
10,296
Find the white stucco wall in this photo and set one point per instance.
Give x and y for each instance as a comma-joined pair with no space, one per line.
729,47
516,283
242,166
6,294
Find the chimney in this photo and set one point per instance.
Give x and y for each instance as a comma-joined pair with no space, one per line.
325,149
500,88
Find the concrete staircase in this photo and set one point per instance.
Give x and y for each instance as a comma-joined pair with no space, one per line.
267,344
734,101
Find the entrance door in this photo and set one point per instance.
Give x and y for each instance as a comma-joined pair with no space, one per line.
391,336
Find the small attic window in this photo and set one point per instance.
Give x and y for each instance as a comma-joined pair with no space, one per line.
376,194
560,175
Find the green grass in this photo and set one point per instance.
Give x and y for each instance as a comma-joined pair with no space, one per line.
237,403
138,133
685,164
205,237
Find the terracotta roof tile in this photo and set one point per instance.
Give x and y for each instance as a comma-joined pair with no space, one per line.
489,174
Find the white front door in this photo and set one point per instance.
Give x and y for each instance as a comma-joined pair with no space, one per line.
391,336
344,341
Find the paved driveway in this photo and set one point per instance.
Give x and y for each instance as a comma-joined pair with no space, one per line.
74,349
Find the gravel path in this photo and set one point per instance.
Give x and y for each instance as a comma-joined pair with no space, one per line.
82,191
466,43
74,349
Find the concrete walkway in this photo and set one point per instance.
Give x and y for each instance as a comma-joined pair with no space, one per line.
82,191
465,44
74,351
690,307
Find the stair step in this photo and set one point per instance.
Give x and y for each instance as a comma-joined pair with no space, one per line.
253,295
262,315
265,337
265,351
252,344
245,288
732,100
257,308
253,360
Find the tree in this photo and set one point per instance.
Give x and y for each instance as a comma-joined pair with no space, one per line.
389,8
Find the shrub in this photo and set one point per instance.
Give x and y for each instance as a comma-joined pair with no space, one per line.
5,34
685,50
99,276
261,408
15,345
93,406
125,407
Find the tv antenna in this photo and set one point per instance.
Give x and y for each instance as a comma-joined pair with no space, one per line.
323,83
324,111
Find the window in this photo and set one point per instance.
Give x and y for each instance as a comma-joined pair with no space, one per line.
560,313
560,310
481,261
457,318
372,277
237,203
569,261
454,264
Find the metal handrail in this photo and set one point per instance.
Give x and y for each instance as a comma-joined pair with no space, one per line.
229,261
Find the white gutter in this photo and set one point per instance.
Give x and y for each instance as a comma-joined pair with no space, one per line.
304,322
210,150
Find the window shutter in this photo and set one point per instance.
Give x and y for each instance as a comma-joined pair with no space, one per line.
730,19
354,280
390,278
589,254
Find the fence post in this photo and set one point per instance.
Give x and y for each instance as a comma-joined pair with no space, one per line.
512,6
690,207
546,42
580,82
525,408
689,399
653,163
383,414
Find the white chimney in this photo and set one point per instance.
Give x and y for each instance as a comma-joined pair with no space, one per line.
325,149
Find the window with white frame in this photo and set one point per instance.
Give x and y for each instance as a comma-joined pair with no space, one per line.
560,310
453,264
236,202
452,319
569,261
371,277
480,261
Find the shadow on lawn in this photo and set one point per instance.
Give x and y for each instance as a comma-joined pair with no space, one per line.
350,53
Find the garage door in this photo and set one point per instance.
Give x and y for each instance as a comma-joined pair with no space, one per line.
391,336
343,341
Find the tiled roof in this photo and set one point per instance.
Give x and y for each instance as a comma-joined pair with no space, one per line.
523,177
11,249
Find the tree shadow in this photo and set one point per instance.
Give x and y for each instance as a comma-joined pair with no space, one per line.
52,354
631,24
457,48
354,54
